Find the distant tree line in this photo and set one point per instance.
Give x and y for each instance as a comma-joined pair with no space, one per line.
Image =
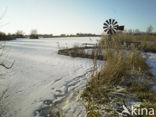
4,36
149,31
78,35
9,36
34,34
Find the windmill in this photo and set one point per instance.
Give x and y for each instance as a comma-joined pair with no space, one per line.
111,26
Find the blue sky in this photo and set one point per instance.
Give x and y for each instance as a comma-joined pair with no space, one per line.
73,16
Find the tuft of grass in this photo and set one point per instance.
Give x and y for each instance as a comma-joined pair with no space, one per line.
76,51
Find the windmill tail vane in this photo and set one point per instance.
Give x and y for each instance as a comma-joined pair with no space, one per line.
111,26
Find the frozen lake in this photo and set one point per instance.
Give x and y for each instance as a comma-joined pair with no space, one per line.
39,73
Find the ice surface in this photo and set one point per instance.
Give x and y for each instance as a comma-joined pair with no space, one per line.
39,73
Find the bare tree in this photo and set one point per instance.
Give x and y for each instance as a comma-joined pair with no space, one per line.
19,34
150,29
33,34
137,31
130,31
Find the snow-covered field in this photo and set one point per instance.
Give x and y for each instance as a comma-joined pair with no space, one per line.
39,73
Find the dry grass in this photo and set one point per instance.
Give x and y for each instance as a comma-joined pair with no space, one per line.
127,69
133,38
145,42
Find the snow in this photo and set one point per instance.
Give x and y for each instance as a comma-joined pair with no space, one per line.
152,61
39,73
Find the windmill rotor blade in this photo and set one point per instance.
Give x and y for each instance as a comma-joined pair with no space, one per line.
105,24
115,22
105,27
113,31
106,30
115,27
112,21
109,21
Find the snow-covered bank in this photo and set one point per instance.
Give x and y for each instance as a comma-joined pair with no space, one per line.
152,61
39,73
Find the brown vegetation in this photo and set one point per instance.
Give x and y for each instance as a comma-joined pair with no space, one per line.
124,76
